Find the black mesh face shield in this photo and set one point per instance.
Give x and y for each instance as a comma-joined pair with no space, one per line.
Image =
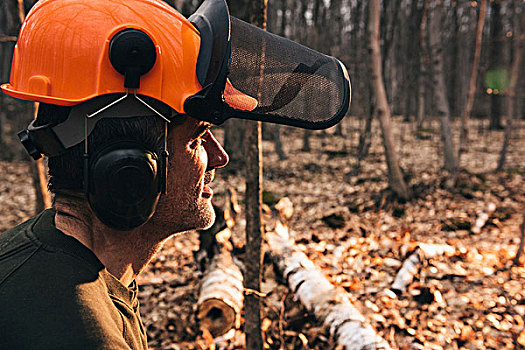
285,82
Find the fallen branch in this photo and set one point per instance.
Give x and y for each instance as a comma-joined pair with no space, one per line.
410,267
483,218
329,304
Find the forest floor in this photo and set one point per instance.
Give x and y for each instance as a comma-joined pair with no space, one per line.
349,227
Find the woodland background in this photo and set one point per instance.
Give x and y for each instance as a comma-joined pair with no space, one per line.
354,217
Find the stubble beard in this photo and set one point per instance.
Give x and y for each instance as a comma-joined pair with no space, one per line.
187,213
200,215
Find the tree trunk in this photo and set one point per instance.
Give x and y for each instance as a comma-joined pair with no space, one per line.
282,32
357,63
421,92
412,61
252,274
442,106
496,63
388,22
516,260
278,143
233,143
395,177
519,47
365,140
454,73
335,38
424,63
253,198
10,21
463,138
306,141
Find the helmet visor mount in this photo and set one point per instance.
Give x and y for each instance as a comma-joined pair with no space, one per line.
249,73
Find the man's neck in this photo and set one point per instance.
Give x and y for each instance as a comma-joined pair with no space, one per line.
124,253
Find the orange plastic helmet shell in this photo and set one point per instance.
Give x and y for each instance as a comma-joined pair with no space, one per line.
61,56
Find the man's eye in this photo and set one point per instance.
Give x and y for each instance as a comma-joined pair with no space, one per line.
201,136
195,143
199,141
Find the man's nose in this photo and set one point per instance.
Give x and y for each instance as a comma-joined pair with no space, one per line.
217,156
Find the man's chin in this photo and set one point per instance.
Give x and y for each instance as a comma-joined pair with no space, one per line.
208,218
198,217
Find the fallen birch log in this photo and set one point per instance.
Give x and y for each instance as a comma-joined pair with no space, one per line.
329,304
410,267
221,294
221,300
483,218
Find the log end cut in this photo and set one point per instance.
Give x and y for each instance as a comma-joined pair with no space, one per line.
217,316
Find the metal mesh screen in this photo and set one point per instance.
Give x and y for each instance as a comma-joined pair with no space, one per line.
288,80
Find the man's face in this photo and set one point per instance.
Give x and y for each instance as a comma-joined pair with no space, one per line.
194,154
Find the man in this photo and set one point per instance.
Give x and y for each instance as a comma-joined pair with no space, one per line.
128,90
67,280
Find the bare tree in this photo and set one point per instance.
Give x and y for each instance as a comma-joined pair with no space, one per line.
11,18
277,24
497,61
412,54
438,78
365,140
463,138
519,47
314,34
335,40
395,177
253,199
388,23
424,64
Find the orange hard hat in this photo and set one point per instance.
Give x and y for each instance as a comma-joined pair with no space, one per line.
62,53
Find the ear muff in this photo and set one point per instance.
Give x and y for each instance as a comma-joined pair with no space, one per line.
132,53
123,185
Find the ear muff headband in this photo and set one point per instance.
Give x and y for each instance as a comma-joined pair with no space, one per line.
124,185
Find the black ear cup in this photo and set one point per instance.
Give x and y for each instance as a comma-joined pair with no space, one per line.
123,186
133,54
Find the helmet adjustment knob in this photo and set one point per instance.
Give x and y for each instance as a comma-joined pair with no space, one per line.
132,53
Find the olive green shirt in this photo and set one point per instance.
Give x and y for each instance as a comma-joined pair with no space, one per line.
56,294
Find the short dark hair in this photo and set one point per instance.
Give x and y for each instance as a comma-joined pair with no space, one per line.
66,169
